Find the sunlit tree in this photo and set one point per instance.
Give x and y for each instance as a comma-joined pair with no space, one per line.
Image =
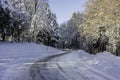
103,18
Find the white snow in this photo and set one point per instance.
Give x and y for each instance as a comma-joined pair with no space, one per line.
103,66
15,59
80,65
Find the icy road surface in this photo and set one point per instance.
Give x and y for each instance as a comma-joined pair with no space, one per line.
77,65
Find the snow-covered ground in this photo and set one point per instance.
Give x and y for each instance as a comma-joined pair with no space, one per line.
78,65
103,66
15,59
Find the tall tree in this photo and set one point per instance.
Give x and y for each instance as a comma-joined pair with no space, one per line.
5,18
46,25
102,18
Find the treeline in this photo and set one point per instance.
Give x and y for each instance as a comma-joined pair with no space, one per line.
95,30
28,21
70,36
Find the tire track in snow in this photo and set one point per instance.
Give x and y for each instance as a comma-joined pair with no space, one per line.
41,71
38,71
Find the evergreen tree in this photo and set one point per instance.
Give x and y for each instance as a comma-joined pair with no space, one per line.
44,24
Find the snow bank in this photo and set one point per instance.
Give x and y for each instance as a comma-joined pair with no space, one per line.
22,50
15,59
108,63
104,63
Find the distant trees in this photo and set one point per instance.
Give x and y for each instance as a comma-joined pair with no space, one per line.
96,30
69,31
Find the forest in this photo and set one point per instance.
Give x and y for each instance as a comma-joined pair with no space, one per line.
97,29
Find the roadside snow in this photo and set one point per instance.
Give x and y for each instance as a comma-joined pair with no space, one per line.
15,59
78,65
103,66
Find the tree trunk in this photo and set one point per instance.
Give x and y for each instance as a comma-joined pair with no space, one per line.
18,36
3,37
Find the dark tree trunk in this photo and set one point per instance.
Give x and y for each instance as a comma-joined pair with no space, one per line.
3,37
18,36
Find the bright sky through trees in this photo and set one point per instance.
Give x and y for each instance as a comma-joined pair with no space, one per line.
65,8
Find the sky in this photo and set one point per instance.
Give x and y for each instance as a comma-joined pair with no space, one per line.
65,8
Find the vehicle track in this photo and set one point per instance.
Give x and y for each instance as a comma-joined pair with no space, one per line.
38,71
45,69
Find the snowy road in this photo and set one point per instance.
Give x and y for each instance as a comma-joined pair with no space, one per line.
20,62
70,66
16,59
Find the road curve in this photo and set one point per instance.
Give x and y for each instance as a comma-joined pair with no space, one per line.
65,66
